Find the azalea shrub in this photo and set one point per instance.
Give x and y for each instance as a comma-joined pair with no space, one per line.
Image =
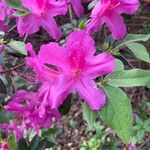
51,50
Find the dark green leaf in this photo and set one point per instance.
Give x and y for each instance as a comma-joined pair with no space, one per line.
22,145
34,143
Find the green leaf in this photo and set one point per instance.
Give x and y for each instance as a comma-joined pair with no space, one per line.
119,65
42,145
137,37
34,143
129,78
89,115
117,113
12,144
139,51
130,38
18,46
14,3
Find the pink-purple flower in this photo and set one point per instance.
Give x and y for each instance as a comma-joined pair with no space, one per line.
42,13
109,12
71,68
27,105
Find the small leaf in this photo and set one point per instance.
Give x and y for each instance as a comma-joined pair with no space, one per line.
18,46
129,78
14,3
89,115
81,25
12,144
139,51
117,113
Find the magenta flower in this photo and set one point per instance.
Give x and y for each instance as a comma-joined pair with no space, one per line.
29,107
109,12
74,68
42,13
77,7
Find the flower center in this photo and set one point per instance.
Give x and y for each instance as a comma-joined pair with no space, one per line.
43,12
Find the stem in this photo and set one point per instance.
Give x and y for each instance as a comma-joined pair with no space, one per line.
12,69
70,13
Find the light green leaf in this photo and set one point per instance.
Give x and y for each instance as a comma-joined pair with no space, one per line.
119,65
139,51
129,78
137,37
89,115
18,46
117,114
12,144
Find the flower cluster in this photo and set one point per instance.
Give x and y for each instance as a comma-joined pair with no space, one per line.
62,69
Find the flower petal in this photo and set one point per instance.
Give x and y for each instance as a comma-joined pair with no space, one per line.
128,7
50,25
43,72
116,25
77,7
31,5
100,65
60,90
91,94
80,44
58,8
53,54
28,24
